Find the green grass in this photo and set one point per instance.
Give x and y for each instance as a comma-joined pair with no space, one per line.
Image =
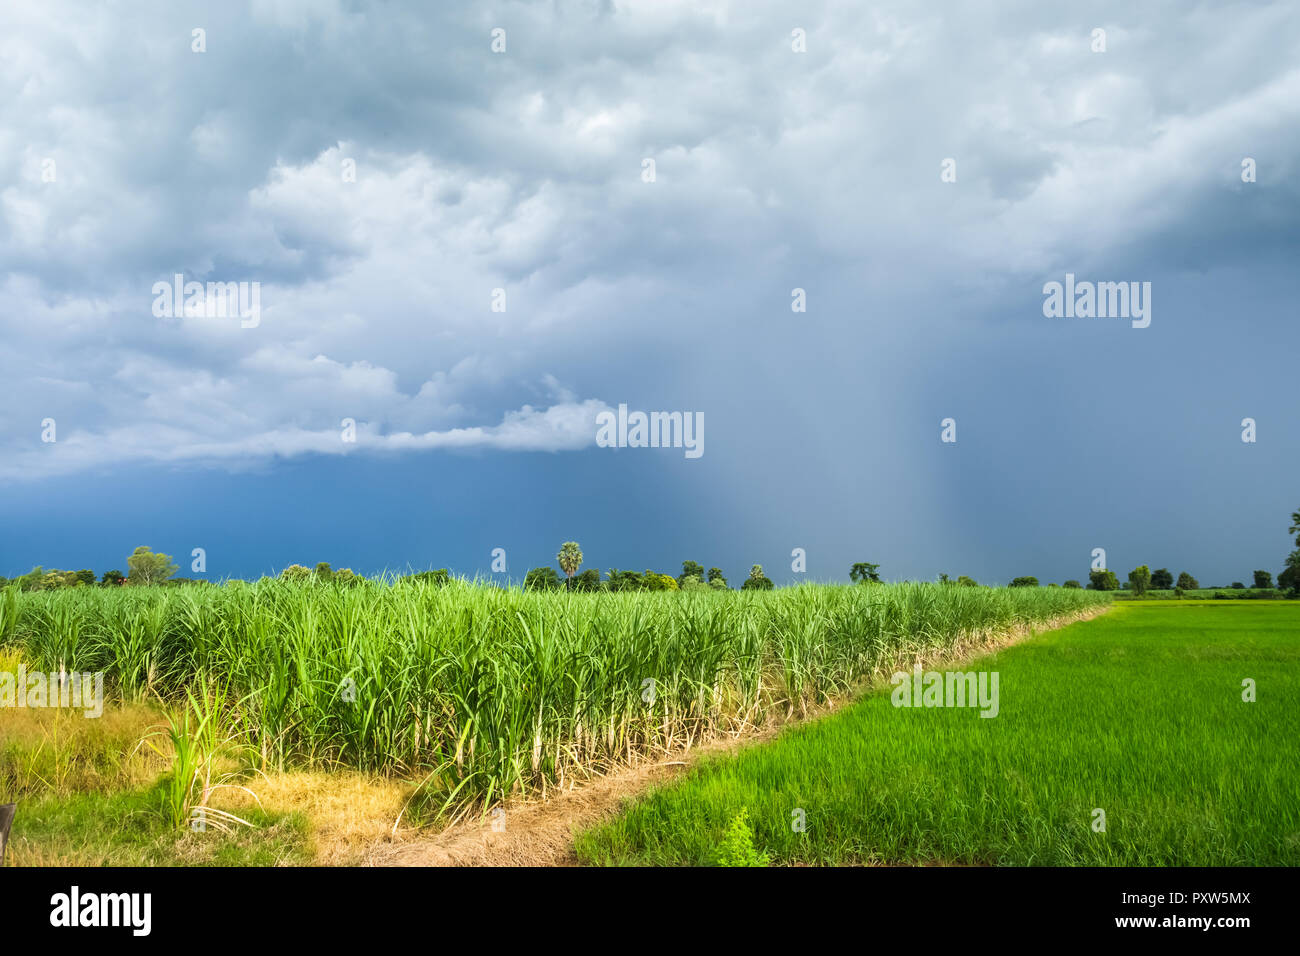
484,691
1138,712
91,793
130,828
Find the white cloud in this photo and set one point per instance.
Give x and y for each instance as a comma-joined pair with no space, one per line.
562,427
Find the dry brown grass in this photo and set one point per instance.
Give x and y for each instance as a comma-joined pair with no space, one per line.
60,751
347,812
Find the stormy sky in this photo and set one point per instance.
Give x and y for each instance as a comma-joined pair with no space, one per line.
458,250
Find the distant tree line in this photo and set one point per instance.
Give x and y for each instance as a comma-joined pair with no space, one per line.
145,567
692,578
1142,579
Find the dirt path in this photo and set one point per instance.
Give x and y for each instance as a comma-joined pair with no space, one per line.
540,832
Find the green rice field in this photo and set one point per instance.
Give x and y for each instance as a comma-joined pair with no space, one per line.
1138,714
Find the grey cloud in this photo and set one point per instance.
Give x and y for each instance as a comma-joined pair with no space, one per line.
475,171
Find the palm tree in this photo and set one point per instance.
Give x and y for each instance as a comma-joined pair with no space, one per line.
570,558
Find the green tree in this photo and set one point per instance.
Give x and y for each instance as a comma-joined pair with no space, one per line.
55,579
1161,579
864,572
624,581
1029,581
691,569
1264,579
966,581
716,578
324,572
541,579
112,579
1289,578
51,580
1139,579
145,567
1071,584
588,580
294,572
1102,580
570,559
757,580
1187,582
31,580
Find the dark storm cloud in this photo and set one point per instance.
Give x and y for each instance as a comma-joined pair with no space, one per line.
522,170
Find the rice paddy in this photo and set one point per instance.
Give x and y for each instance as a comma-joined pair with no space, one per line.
1127,740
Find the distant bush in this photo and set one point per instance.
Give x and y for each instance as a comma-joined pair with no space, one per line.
1248,594
654,581
645,581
